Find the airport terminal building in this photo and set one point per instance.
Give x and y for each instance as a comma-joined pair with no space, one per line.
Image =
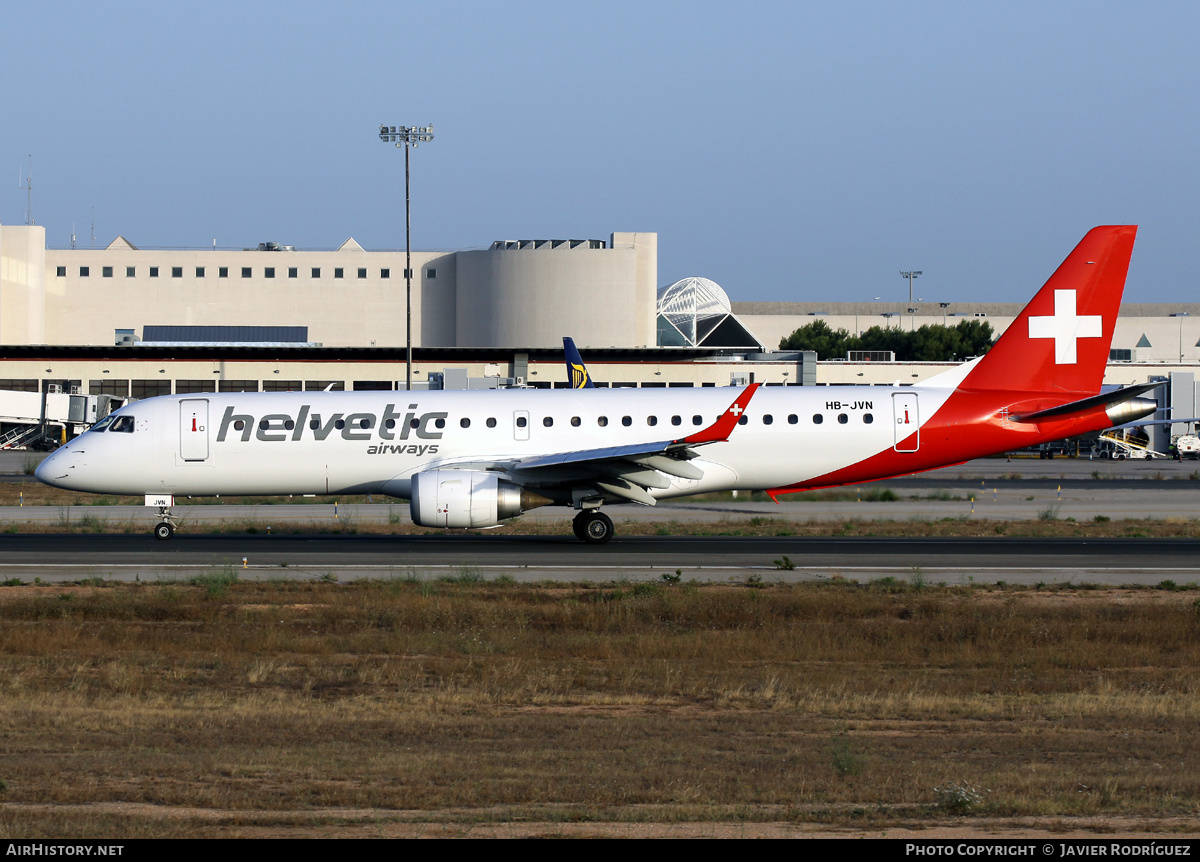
132,322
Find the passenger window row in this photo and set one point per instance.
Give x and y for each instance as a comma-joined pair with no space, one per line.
125,423
627,421
547,421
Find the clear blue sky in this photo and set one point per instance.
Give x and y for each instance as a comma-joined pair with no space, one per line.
788,151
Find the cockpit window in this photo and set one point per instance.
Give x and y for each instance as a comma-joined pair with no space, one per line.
102,424
122,424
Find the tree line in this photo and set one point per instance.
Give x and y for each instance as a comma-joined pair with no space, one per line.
929,343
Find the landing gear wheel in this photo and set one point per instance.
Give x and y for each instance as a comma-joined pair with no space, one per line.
593,527
163,531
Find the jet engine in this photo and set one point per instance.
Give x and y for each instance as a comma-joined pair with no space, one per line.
467,498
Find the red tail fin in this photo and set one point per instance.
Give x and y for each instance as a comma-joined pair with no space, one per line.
1060,341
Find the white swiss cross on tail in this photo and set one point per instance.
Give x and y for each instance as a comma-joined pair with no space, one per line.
1065,327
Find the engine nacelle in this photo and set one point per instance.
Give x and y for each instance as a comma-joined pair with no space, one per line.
467,498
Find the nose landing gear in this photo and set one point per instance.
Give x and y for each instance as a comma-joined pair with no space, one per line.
165,528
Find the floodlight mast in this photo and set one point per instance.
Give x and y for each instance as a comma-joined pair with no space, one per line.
406,136
910,275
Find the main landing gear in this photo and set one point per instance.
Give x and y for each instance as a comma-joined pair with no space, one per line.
592,526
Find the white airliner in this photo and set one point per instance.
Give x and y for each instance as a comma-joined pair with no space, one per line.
476,458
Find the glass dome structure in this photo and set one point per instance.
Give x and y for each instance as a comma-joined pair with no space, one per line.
695,312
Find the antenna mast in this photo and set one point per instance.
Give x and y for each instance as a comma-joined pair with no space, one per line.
28,189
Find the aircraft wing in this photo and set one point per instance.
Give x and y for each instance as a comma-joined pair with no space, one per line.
629,471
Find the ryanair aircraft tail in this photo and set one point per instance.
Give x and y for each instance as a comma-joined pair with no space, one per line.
577,372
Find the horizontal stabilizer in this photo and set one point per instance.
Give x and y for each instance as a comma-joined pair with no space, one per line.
1104,399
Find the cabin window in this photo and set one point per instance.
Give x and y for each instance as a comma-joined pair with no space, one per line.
602,421
366,423
314,424
818,418
414,423
793,418
575,421
742,420
239,425
491,423
464,423
651,420
868,418
697,420
289,424
389,423
676,420
843,418
547,421
522,421
768,419
437,423
340,424
626,421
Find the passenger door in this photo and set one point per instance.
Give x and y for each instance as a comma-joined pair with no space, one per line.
193,429
907,422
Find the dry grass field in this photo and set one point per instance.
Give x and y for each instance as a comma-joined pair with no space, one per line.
457,707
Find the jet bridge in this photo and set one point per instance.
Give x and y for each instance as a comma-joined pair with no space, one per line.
27,418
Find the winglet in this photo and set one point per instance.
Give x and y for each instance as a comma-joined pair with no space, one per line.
723,427
576,371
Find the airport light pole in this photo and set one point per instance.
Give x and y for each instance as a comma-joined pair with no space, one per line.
910,275
407,136
944,306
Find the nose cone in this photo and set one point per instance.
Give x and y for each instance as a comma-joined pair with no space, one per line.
57,470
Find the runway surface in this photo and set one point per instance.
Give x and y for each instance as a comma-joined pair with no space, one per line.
1020,489
67,558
